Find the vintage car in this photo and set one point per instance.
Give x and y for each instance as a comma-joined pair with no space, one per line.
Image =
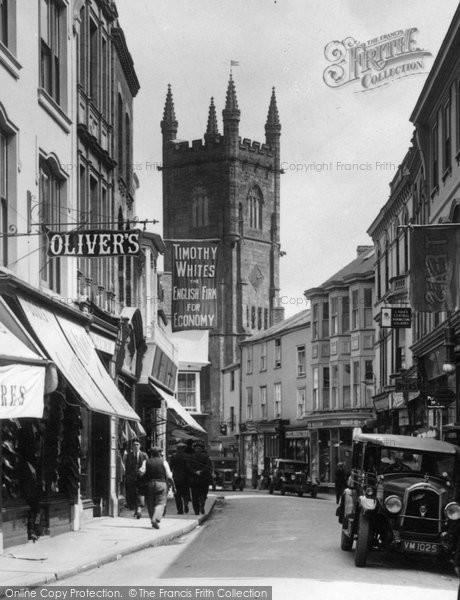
402,496
225,473
292,476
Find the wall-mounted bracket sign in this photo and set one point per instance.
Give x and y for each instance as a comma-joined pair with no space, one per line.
94,243
398,317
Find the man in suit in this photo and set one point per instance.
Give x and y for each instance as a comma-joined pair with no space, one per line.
180,465
133,462
201,467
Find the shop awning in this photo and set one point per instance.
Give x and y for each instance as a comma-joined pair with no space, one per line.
22,370
70,347
15,343
174,405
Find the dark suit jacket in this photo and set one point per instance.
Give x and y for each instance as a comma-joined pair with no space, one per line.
132,465
180,467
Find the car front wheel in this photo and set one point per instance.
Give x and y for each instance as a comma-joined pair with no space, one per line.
363,540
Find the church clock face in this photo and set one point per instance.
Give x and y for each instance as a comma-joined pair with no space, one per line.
256,277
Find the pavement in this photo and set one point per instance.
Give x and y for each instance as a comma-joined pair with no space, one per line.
100,541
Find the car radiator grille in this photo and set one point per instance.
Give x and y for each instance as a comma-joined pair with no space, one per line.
422,512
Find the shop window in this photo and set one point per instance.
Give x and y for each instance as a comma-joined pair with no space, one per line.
325,455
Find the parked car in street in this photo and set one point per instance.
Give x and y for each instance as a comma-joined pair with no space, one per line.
292,476
225,474
402,496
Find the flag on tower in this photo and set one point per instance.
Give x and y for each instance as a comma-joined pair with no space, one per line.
234,63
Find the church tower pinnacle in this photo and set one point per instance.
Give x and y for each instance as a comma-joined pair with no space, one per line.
231,116
169,123
273,126
212,129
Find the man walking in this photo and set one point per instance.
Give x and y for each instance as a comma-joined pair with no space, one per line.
180,466
133,462
201,467
156,481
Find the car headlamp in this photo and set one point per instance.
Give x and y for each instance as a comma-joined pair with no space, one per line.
452,511
369,492
393,504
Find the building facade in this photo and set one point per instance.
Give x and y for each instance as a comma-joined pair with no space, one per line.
396,407
227,189
342,354
275,396
66,166
423,197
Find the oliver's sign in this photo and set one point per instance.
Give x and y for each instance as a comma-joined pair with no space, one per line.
94,243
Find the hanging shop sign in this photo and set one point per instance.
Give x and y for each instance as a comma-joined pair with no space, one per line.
94,243
194,289
409,384
434,278
21,391
396,317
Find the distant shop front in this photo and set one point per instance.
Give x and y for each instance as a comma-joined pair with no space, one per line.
331,442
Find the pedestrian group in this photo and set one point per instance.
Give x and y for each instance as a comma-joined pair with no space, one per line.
188,475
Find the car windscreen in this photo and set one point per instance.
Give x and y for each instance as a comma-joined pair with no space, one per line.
393,460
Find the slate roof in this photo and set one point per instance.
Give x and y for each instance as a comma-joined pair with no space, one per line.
297,320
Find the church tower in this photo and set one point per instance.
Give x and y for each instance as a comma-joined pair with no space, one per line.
227,188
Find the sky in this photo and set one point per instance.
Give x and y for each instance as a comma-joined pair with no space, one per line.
340,145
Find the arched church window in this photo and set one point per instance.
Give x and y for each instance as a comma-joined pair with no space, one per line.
255,204
200,207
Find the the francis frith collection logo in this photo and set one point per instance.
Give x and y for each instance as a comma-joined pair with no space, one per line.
376,62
